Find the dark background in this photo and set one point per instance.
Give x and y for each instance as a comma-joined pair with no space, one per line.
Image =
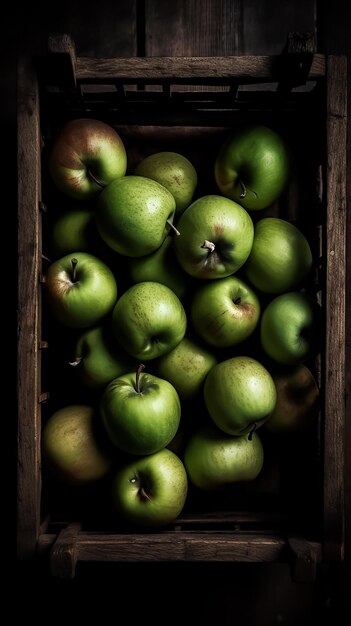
177,593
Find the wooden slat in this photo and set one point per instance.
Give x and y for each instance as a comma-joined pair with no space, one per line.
186,68
335,255
28,320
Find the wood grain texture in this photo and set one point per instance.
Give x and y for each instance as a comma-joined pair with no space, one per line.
63,556
178,68
28,317
335,260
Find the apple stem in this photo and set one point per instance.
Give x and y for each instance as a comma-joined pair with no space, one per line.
173,227
208,245
91,175
254,426
140,368
74,269
143,494
243,193
77,360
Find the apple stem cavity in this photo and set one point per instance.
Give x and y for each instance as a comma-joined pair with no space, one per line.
243,193
208,245
237,300
143,494
98,182
254,426
173,227
77,361
74,263
140,369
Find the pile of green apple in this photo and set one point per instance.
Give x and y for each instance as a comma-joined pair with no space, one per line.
192,324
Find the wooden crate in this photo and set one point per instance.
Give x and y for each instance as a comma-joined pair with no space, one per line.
191,104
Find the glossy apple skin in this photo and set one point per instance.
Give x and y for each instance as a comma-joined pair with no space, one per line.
149,320
280,258
98,358
151,491
160,266
186,367
222,222
86,155
213,459
71,448
140,418
225,312
253,167
290,327
85,301
240,395
132,214
297,400
175,172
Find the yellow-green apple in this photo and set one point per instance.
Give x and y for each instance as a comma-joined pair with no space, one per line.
290,328
160,266
297,400
134,215
240,395
149,320
151,491
175,172
213,459
186,367
81,289
75,229
253,166
98,358
216,236
86,155
280,258
225,312
140,412
72,447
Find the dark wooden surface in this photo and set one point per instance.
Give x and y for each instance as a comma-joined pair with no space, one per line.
206,594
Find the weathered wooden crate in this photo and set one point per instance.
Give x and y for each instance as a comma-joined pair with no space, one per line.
292,513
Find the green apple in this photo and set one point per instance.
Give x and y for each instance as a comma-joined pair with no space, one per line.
86,155
134,215
149,320
225,312
152,490
175,172
140,412
81,289
186,367
74,229
253,166
240,395
280,258
98,358
290,328
216,236
213,459
297,400
72,448
160,266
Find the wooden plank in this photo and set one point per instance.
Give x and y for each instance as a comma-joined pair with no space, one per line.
335,255
63,556
197,28
186,68
28,317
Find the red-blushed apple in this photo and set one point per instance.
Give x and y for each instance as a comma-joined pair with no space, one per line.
253,166
298,400
216,236
280,258
140,412
81,290
149,320
151,491
225,312
72,448
240,395
213,459
86,155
